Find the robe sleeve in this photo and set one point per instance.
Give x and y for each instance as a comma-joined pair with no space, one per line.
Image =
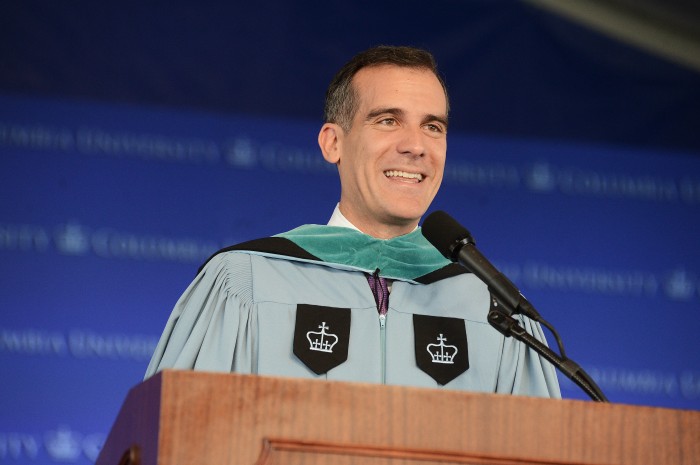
523,371
212,325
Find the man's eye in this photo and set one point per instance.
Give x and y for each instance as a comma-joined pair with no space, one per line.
387,121
435,127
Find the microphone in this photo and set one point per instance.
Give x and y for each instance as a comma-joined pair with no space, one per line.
457,244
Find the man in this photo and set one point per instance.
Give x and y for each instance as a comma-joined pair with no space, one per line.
366,297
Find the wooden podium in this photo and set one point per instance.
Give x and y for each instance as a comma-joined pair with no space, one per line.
185,417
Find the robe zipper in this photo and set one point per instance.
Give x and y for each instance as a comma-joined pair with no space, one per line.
382,342
382,336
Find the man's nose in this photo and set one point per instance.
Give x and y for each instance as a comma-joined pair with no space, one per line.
412,142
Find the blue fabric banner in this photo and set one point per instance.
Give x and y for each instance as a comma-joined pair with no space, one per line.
106,211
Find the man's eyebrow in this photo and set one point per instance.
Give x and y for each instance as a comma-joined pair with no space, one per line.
381,111
398,112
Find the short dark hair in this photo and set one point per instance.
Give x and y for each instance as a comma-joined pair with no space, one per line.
341,96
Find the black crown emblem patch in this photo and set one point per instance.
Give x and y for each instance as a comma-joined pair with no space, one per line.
441,347
321,336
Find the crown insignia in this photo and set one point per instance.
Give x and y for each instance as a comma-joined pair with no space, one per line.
442,353
63,445
72,239
322,341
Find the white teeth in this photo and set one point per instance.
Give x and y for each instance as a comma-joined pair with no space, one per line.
403,174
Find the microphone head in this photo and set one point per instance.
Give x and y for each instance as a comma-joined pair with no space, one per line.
445,233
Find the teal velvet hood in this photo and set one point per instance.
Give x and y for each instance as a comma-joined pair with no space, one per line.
404,257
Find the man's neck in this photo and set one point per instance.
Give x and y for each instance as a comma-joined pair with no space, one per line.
378,231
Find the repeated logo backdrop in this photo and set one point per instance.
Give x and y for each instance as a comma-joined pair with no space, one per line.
106,211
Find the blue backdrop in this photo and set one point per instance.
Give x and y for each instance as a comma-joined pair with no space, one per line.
108,210
108,205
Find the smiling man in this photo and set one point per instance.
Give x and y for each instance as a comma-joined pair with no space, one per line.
365,297
391,154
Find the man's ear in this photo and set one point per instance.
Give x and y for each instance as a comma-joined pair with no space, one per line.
329,139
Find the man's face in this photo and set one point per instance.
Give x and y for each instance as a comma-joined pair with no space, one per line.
391,161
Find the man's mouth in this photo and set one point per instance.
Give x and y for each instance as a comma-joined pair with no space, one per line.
404,175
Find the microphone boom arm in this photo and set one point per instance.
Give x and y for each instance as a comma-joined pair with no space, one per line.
508,326
457,244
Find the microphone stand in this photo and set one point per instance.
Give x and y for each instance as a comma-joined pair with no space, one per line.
509,326
457,245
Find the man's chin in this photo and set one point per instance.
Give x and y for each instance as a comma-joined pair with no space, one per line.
405,221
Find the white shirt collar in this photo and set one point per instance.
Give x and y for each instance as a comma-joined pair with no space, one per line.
338,219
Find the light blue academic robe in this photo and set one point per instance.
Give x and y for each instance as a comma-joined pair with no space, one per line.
238,315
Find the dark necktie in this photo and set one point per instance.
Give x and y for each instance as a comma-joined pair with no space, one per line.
380,291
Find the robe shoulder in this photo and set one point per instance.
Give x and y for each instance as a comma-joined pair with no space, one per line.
280,246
